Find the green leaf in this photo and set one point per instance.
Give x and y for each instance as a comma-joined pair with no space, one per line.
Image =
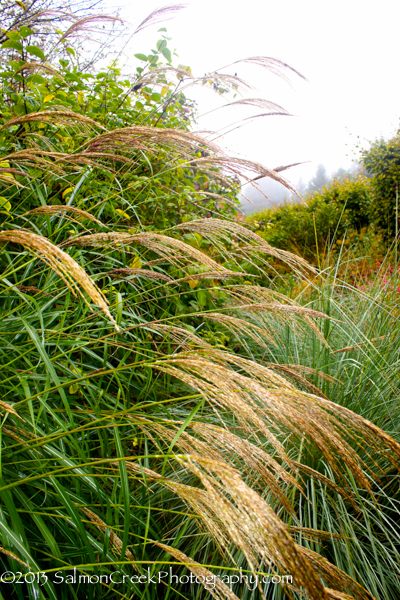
72,77
161,44
156,97
5,204
64,496
16,64
141,57
167,53
36,51
40,524
23,550
70,51
36,78
25,31
13,35
123,474
181,429
202,298
13,45
48,364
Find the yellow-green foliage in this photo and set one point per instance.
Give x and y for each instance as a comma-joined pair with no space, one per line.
314,224
382,160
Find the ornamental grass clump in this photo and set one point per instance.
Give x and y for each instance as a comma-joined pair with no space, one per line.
137,434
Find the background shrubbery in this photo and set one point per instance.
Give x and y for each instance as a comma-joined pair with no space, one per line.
342,211
313,226
382,162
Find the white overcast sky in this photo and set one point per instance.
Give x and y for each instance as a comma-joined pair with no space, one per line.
349,51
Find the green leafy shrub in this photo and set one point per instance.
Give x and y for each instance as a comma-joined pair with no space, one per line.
353,196
311,227
382,161
172,183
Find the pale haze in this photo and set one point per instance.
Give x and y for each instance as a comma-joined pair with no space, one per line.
348,51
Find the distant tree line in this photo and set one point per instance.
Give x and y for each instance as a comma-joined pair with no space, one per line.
268,193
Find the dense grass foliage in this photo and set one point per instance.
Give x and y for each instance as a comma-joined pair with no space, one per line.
160,408
360,371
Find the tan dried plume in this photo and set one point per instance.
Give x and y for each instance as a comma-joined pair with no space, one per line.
12,171
240,327
36,157
257,102
221,445
360,344
235,82
263,299
160,15
238,167
35,66
226,274
58,209
233,512
167,430
146,273
170,248
335,577
14,556
198,501
65,266
7,180
274,409
99,239
186,339
223,388
155,76
8,408
297,377
147,138
213,229
86,24
116,542
277,307
252,524
274,65
53,161
218,589
316,534
254,457
63,116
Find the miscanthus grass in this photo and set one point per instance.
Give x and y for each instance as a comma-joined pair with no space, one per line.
133,441
148,445
360,372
